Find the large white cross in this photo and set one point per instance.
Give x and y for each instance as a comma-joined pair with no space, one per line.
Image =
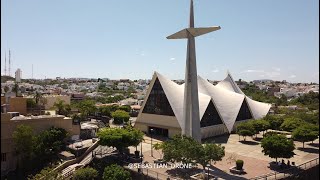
191,117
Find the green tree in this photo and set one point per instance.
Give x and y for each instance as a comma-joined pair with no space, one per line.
46,173
187,150
16,89
182,149
277,146
31,103
37,96
87,107
105,111
67,110
115,172
208,153
119,138
158,147
137,136
283,100
43,102
260,125
289,124
308,117
24,141
62,107
114,107
49,143
275,121
39,100
310,100
59,105
126,108
120,116
245,129
305,133
87,173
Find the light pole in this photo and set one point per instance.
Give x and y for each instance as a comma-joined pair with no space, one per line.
151,131
141,152
141,159
208,170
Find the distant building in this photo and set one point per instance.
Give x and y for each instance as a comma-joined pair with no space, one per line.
51,99
272,90
18,75
129,101
77,97
124,80
9,123
16,104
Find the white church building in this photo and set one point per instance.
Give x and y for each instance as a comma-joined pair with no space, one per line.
221,107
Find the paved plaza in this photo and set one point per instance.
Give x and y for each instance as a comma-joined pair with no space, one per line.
255,162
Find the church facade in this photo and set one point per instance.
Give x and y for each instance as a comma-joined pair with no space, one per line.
221,107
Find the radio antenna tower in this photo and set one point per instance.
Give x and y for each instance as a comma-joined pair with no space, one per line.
9,62
5,63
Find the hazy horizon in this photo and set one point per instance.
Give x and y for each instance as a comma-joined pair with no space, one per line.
117,39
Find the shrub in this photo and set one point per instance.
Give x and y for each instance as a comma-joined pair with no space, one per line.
115,172
239,164
275,121
120,116
120,138
290,124
270,133
260,125
85,174
245,129
126,108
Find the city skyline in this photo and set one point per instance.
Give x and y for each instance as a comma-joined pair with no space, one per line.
118,39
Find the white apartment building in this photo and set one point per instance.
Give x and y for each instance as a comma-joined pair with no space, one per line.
18,75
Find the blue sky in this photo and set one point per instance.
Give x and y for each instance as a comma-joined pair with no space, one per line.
266,39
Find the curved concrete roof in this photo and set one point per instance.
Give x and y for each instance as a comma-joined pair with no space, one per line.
226,96
175,95
229,84
226,102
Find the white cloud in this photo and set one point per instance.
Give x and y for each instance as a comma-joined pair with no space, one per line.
215,70
276,68
172,59
292,76
140,52
263,73
253,71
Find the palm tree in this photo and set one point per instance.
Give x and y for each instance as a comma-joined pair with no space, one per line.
60,105
16,89
43,102
38,96
67,109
